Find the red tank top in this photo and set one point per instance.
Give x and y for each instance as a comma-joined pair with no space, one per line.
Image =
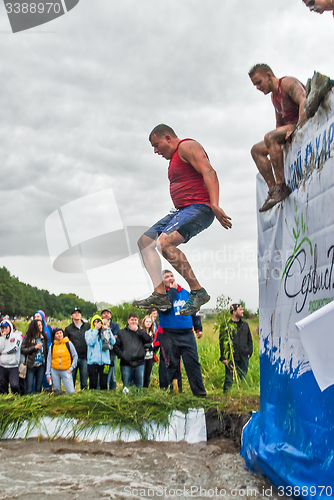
286,108
186,184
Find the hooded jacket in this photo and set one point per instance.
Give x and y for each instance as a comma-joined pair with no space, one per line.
10,348
130,346
95,354
47,328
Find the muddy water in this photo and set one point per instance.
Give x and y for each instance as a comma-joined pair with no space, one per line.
66,470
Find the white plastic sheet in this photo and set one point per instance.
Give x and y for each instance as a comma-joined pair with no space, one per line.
317,335
190,428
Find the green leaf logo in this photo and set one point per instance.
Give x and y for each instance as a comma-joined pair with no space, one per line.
299,229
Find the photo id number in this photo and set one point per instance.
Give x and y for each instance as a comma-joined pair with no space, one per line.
33,8
304,491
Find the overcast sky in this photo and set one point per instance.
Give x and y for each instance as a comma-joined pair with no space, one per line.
79,96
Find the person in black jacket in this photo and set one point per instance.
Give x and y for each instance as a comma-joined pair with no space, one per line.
242,347
130,348
76,334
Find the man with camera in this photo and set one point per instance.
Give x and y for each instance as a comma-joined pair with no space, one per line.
114,327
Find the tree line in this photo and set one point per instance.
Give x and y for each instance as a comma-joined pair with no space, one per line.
20,299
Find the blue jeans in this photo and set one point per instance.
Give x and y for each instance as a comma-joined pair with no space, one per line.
83,372
133,375
187,221
34,374
112,372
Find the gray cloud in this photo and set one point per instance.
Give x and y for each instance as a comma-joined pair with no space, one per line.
77,105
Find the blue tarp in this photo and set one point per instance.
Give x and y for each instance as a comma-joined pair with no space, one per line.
291,439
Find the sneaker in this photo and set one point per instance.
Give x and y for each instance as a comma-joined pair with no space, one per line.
157,300
281,192
275,195
196,299
267,205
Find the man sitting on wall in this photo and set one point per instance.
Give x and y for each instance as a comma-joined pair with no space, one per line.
288,96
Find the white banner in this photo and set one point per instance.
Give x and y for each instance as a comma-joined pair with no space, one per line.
296,246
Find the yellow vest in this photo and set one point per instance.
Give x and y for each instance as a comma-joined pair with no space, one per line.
61,357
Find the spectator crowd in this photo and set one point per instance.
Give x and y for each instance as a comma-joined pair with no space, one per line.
46,357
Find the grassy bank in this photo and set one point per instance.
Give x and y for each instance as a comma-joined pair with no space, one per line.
132,410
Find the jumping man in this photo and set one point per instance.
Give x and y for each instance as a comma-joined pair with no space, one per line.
194,190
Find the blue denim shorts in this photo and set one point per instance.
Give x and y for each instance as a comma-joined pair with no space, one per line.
187,221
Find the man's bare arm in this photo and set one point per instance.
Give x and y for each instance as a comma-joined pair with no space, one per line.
193,153
296,91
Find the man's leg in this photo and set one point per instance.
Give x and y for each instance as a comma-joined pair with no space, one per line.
83,371
152,263
188,349
272,147
126,372
174,357
273,142
138,376
190,221
259,154
228,378
242,367
112,372
167,245
163,377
